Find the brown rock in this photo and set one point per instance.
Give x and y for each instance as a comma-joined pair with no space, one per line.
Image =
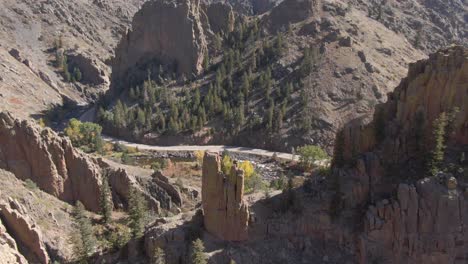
24,231
225,212
50,161
8,249
220,17
291,11
169,32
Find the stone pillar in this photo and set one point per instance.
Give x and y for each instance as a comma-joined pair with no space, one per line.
225,213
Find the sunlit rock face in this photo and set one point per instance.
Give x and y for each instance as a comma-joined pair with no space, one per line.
224,210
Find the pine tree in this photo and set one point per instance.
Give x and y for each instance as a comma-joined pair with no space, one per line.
338,154
77,74
137,210
438,153
84,241
106,199
158,256
198,255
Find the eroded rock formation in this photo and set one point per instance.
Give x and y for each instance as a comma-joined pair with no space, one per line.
28,235
8,248
50,161
225,212
163,32
426,221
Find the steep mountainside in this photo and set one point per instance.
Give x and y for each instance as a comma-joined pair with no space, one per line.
32,33
292,76
365,211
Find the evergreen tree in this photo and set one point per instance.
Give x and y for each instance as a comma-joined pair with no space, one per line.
77,74
106,199
438,153
198,255
137,210
338,154
84,241
270,114
158,256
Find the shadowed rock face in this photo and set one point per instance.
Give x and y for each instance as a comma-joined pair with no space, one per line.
167,32
50,161
225,212
426,221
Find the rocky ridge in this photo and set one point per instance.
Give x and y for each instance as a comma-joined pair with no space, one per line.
50,161
30,84
25,232
425,222
9,249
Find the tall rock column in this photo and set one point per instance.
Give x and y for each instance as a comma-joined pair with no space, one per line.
225,212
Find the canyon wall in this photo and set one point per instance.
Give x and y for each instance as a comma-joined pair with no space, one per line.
163,32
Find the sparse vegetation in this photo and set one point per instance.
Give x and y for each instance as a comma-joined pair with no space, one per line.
254,183
438,153
198,255
159,165
30,184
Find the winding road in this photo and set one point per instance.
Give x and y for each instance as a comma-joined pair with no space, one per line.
210,148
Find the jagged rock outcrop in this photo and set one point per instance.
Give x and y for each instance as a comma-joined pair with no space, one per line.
433,86
50,161
225,212
92,71
28,235
220,17
167,32
163,182
121,182
291,11
426,222
173,235
8,249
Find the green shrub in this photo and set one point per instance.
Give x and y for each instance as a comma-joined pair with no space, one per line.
30,184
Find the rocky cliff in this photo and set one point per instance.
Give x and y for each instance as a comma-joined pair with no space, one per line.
435,85
50,161
225,212
9,249
426,221
167,33
28,235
